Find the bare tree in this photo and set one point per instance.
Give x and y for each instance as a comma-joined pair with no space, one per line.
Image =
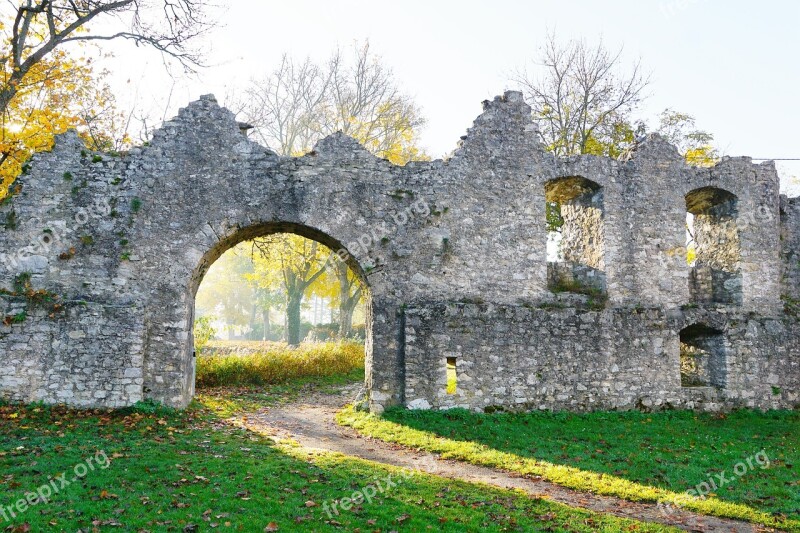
42,26
286,107
582,101
301,102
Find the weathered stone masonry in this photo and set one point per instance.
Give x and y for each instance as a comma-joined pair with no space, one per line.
453,252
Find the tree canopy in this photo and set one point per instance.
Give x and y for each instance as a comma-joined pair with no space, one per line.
60,92
302,101
49,84
582,98
585,101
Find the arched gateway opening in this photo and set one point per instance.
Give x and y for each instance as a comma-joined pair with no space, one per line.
274,293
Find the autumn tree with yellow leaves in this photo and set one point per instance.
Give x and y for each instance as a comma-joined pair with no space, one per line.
60,92
295,264
583,100
694,144
582,97
48,86
349,294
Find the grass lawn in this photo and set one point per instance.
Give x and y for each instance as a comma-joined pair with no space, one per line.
193,471
638,456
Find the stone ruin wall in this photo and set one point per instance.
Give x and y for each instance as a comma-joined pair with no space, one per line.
453,252
583,234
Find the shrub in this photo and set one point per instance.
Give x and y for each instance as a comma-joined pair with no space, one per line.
203,332
324,332
359,332
261,363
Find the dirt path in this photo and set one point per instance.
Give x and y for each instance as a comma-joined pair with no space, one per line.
311,423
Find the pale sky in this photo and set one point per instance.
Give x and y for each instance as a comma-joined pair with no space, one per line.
731,64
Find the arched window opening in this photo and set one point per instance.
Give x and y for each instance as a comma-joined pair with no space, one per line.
703,361
712,244
574,218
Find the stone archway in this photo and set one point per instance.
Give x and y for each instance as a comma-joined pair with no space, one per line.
185,351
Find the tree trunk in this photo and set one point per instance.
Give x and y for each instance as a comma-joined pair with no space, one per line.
346,308
347,302
7,94
293,319
251,333
265,316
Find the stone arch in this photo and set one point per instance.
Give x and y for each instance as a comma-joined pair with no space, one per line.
270,228
181,390
575,217
715,271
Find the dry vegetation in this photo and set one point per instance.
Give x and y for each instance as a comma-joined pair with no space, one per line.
242,363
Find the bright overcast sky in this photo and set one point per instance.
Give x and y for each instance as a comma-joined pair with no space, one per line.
731,64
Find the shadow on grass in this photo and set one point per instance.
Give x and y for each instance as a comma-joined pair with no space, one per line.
193,470
674,450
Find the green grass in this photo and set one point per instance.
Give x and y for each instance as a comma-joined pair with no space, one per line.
259,363
170,470
631,455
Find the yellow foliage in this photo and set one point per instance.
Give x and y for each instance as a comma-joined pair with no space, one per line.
257,363
291,261
702,156
59,92
691,255
389,133
391,136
